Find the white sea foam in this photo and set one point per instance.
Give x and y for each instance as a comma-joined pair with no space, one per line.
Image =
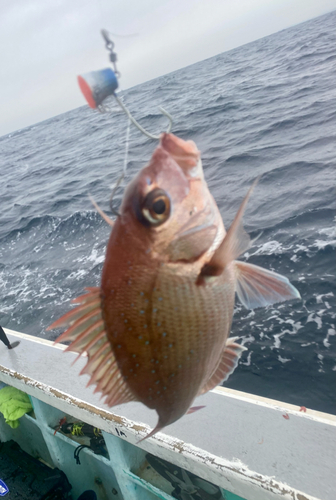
320,297
320,244
248,361
3,281
272,247
250,314
320,362
331,332
283,360
296,325
79,274
248,338
328,231
277,341
300,248
272,317
95,258
317,319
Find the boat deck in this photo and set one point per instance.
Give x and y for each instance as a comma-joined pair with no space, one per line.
255,447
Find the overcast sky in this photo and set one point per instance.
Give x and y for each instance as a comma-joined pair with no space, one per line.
44,44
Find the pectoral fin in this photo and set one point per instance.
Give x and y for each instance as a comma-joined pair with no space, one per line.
258,287
227,364
236,242
87,334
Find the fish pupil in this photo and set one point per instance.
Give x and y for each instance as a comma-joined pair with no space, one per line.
159,206
155,208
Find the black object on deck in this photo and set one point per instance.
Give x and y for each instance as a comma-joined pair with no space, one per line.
4,339
28,478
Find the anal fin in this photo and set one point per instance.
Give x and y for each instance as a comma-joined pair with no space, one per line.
258,287
87,334
227,365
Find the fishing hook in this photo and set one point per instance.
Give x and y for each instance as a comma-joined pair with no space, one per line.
133,120
117,184
113,59
151,136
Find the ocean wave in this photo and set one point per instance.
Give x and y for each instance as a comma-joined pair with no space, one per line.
249,115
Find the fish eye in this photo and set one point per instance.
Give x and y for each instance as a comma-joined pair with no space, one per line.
156,207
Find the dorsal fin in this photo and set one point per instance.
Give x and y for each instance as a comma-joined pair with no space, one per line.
227,364
87,334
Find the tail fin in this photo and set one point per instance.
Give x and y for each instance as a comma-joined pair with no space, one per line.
156,429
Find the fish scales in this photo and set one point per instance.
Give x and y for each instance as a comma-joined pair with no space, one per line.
197,319
157,329
197,328
155,322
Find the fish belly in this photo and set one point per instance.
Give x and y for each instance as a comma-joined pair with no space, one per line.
196,321
166,332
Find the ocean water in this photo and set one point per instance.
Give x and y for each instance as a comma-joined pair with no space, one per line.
267,108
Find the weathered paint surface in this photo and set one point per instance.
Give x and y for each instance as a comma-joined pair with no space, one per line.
215,456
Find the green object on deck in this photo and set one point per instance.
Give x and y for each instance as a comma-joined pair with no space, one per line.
13,405
232,496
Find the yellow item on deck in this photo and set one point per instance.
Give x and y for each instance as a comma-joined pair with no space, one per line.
13,405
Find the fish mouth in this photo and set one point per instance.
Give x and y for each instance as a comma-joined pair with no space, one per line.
185,153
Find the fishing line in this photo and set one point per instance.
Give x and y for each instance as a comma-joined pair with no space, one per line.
96,86
129,35
103,19
121,178
127,145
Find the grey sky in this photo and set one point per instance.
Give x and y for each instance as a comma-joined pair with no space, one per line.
45,44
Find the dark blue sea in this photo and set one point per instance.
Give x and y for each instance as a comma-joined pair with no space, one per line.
267,108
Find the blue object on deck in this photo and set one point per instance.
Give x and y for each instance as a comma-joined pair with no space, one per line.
3,489
88,495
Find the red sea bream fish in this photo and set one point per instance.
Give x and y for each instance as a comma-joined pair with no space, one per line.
157,329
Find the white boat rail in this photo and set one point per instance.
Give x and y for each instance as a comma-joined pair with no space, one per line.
252,448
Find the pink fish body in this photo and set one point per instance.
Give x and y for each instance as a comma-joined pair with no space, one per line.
157,329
